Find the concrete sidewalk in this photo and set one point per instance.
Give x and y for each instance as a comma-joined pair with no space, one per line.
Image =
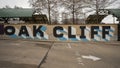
22,54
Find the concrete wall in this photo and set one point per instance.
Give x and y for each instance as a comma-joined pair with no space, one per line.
43,32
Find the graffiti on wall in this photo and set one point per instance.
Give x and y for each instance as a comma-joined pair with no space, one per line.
61,33
37,32
95,33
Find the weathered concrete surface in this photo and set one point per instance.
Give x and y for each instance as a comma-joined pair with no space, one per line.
28,54
72,55
21,54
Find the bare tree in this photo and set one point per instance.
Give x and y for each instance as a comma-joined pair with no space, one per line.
40,5
73,6
17,7
96,5
7,7
55,16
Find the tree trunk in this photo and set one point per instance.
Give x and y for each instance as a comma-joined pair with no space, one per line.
73,12
49,13
76,19
97,9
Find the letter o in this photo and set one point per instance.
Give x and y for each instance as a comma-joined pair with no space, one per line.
9,30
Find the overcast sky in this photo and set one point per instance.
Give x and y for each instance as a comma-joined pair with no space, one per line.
23,3
12,3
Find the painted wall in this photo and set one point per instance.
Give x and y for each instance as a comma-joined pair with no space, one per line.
91,32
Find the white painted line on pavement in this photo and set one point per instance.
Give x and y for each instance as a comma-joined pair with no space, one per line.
81,64
94,58
69,46
79,59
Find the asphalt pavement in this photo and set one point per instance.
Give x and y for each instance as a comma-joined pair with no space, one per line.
29,54
84,55
21,53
